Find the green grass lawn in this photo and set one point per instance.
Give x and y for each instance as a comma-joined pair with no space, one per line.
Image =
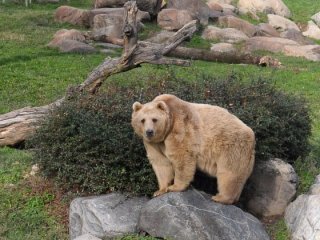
34,75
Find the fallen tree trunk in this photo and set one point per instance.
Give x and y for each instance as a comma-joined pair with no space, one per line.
16,126
211,56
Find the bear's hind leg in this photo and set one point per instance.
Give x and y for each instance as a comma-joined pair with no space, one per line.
230,187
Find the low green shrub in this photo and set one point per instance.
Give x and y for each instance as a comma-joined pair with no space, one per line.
88,144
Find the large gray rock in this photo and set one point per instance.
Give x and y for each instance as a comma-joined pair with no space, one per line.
310,52
313,31
173,19
193,215
226,9
271,188
283,45
198,9
297,36
141,15
237,23
303,215
228,35
109,215
316,18
71,46
264,6
150,6
71,34
266,30
70,41
85,18
72,15
271,44
227,48
281,23
107,25
161,37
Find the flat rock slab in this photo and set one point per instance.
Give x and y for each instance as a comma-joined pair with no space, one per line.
193,215
103,216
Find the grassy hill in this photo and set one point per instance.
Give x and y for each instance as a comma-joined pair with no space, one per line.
33,75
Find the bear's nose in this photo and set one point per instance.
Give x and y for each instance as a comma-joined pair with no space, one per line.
149,133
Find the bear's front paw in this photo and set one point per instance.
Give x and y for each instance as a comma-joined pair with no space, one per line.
222,199
177,188
160,192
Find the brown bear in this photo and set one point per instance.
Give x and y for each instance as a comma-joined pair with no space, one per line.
180,136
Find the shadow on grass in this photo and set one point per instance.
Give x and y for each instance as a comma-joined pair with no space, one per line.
25,58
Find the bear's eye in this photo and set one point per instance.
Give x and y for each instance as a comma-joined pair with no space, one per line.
143,120
154,120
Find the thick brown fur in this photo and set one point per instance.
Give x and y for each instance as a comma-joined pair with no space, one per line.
180,136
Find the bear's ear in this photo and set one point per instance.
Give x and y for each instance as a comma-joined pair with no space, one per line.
162,106
136,106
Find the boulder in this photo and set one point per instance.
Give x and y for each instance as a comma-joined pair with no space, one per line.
109,3
315,188
72,15
228,9
141,15
271,44
280,23
173,19
105,216
270,189
72,46
198,9
65,34
283,45
223,48
150,6
266,30
316,18
264,6
161,37
313,31
237,23
213,5
310,52
296,36
193,215
85,17
71,41
229,35
107,25
303,215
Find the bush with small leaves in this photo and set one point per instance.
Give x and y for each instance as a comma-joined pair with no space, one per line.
88,144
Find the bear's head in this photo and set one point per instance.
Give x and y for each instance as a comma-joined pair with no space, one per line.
151,121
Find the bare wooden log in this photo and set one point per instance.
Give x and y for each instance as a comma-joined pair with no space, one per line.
16,126
213,56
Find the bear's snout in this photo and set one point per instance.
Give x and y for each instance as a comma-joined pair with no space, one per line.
149,133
